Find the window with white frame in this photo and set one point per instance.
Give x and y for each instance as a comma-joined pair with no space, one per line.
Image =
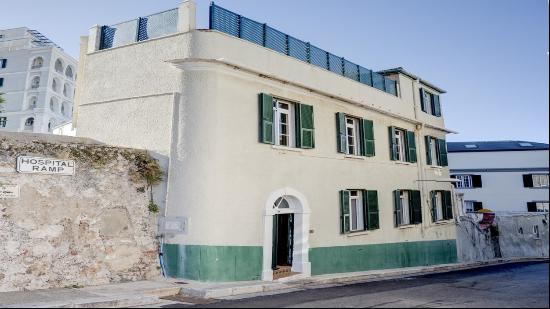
433,151
405,207
356,211
464,181
352,135
428,100
284,124
540,181
469,206
399,140
542,206
437,201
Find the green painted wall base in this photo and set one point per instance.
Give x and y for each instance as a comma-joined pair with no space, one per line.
213,263
234,263
331,260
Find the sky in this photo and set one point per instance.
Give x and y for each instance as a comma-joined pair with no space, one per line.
490,56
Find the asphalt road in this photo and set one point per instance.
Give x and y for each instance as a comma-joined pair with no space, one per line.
507,286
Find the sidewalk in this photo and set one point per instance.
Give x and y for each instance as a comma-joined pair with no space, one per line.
150,293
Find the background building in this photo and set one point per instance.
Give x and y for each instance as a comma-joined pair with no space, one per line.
38,82
501,175
280,155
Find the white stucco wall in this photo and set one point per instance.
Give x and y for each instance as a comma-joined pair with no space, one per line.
502,177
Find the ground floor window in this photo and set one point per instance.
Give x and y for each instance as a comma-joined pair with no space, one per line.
469,206
356,211
3,122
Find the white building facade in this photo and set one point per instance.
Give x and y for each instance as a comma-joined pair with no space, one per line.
37,79
502,176
279,156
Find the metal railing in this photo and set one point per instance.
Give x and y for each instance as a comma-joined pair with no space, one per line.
239,26
140,29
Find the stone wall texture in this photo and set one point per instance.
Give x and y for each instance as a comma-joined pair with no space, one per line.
88,229
512,235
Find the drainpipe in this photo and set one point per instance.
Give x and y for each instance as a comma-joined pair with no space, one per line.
420,158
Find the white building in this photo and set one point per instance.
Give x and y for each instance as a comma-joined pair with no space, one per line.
280,156
509,176
37,79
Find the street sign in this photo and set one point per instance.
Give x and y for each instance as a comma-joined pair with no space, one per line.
48,166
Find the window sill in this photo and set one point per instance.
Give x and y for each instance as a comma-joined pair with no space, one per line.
443,222
405,227
436,167
357,233
284,148
354,157
404,163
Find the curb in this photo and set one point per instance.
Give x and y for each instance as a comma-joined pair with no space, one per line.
344,279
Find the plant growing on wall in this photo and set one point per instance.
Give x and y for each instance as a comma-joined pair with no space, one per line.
149,170
2,100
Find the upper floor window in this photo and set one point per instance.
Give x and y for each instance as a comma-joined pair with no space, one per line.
69,72
59,66
3,122
355,135
468,181
402,145
67,90
55,85
535,181
430,103
286,124
35,83
540,206
399,140
436,151
3,63
37,63
32,103
540,181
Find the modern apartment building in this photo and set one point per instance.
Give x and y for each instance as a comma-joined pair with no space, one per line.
281,157
37,79
509,176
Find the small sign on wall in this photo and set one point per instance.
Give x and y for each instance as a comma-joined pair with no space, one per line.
9,191
173,225
48,166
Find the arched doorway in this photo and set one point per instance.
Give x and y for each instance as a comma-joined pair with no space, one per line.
286,234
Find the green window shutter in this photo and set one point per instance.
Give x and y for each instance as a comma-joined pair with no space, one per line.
416,206
436,106
341,133
367,138
397,208
266,119
411,147
422,101
433,200
393,146
344,212
442,147
305,127
373,217
447,205
427,140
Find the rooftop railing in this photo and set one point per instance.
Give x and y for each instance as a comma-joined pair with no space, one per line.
140,29
247,29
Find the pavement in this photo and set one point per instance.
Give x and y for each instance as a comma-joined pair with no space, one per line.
171,292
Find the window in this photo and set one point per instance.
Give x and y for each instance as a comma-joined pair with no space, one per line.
69,72
469,206
399,140
537,206
358,210
352,134
3,122
32,103
465,181
35,82
55,85
407,207
468,181
29,124
37,63
355,136
540,181
3,63
59,66
442,205
437,202
430,103
1,82
433,152
284,123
